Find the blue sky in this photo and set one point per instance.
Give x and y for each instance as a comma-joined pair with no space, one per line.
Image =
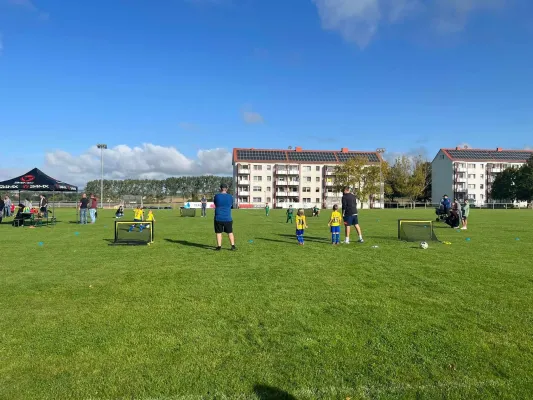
176,84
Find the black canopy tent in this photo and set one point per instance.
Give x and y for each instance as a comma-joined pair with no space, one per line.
36,181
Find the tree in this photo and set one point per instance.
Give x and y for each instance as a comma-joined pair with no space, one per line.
398,177
418,179
524,182
356,173
504,187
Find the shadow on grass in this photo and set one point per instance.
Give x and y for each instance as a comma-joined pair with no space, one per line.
307,238
191,244
264,392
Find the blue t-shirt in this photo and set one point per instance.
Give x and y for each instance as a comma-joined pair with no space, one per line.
223,203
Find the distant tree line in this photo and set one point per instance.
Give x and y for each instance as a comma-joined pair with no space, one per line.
514,184
185,187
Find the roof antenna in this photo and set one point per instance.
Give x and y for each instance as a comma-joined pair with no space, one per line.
290,147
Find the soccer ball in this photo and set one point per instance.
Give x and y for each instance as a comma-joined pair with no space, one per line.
424,245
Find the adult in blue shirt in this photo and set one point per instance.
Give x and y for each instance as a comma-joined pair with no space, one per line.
446,203
223,221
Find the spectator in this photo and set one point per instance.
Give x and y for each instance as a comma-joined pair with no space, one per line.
82,206
92,208
43,205
7,206
223,220
204,206
2,206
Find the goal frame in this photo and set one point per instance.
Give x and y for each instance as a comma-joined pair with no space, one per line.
421,221
134,242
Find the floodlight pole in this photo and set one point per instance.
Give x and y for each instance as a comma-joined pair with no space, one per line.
381,150
102,147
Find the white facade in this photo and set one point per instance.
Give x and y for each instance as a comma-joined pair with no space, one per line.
282,183
469,173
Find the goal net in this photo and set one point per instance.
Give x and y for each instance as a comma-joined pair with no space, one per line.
136,233
416,231
188,212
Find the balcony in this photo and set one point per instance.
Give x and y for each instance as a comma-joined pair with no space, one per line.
330,172
460,179
329,184
282,194
243,171
460,169
243,193
294,194
331,195
243,182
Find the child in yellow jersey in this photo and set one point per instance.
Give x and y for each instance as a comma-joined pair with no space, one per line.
300,226
335,224
149,218
138,214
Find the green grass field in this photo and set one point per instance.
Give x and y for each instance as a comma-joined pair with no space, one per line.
84,320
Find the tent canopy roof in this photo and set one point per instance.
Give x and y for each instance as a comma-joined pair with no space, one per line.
37,181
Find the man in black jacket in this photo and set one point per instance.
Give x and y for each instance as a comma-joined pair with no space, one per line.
349,214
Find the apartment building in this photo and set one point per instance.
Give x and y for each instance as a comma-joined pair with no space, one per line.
469,173
302,178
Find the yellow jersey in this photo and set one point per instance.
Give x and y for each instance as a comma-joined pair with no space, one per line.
138,214
300,222
336,218
150,216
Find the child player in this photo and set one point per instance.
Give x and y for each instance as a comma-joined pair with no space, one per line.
290,212
138,214
150,218
267,209
335,224
301,225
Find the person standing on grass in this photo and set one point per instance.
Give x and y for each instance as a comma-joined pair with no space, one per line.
349,214
7,206
43,205
82,206
466,212
93,205
204,206
335,225
290,213
2,206
223,220
301,226
267,209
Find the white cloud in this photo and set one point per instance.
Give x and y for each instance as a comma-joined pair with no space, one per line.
252,117
148,161
358,21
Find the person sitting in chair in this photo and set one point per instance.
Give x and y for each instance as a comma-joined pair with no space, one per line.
20,216
120,212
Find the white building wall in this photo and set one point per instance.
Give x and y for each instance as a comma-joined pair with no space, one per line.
441,177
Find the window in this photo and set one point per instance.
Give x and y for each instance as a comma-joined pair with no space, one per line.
307,178
306,200
317,168
472,166
269,189
472,196
317,190
482,197
317,200
482,166
317,179
306,189
269,199
471,176
269,167
257,188
460,165
257,199
258,179
442,156
471,186
481,186
258,167
306,168
482,176
269,179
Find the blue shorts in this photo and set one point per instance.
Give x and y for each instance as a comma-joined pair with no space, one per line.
299,232
335,229
351,220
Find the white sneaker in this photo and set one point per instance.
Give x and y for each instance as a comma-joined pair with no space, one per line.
361,240
463,228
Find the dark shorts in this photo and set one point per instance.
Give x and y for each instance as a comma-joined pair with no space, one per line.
335,229
351,220
299,232
223,226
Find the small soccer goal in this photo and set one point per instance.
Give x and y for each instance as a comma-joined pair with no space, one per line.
411,230
187,212
134,233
